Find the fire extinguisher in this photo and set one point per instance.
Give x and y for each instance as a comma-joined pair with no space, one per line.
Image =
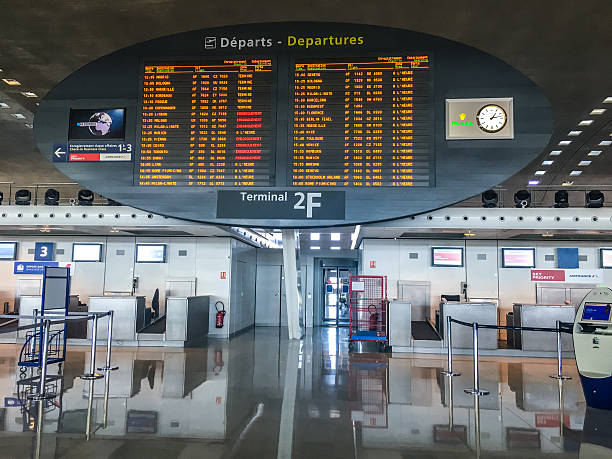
220,314
373,322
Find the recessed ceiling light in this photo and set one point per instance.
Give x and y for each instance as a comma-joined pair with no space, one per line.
555,152
585,123
19,116
574,133
594,152
584,163
567,183
565,142
540,172
4,105
605,143
574,173
315,236
11,82
114,230
547,234
469,234
335,236
335,248
315,247
534,182
548,162
598,111
28,125
29,94
607,100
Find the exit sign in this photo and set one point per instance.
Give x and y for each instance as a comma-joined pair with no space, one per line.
372,264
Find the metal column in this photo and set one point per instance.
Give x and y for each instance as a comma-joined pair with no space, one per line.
291,273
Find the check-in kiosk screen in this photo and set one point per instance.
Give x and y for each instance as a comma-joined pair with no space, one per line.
597,311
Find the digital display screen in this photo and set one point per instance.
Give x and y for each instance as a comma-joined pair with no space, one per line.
606,258
207,124
362,122
447,256
97,124
518,258
8,250
150,253
86,252
596,311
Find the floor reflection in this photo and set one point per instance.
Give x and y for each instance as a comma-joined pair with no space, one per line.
259,395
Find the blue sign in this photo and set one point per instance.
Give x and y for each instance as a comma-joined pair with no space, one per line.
59,153
32,267
43,251
12,401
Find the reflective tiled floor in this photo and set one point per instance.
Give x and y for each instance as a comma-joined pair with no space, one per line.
260,396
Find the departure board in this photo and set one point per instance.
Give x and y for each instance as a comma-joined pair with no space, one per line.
206,124
362,122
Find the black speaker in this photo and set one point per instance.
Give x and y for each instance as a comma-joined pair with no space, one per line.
522,199
489,199
561,199
594,199
52,197
85,197
23,197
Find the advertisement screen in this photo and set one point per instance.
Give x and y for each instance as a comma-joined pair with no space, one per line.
150,253
8,250
86,252
447,256
518,258
606,258
97,124
596,311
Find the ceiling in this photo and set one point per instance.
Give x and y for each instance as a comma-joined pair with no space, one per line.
563,48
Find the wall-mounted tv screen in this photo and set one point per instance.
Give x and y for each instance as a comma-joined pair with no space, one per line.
150,253
605,257
86,252
8,250
518,258
447,256
596,311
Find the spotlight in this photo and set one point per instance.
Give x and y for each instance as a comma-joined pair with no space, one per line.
85,197
594,198
23,197
489,199
522,199
52,197
561,199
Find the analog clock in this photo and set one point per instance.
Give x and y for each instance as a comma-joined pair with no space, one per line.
491,118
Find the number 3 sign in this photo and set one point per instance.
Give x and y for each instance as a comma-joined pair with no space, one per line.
43,251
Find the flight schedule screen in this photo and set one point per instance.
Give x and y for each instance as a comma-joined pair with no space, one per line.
206,124
362,122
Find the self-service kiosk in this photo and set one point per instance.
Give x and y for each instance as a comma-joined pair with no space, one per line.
593,347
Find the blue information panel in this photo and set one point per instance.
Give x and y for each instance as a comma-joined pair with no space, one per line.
32,267
43,251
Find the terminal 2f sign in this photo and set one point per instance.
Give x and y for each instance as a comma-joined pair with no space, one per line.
577,276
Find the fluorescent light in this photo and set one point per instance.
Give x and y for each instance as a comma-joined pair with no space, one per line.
28,125
315,236
584,163
594,152
315,247
607,100
555,152
605,143
335,248
573,173
565,142
534,182
548,162
585,123
11,82
540,172
574,133
335,236
355,236
598,111
19,116
4,105
29,94
567,183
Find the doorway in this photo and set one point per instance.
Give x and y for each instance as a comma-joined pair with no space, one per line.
334,295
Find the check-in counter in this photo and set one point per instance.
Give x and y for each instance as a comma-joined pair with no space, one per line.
542,315
129,313
483,313
187,319
400,324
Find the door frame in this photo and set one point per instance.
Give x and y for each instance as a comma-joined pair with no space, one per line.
318,291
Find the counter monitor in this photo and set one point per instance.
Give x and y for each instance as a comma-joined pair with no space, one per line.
86,252
150,253
8,250
597,312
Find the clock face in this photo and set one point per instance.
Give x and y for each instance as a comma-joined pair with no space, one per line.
491,118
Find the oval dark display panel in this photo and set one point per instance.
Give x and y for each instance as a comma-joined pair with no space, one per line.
293,124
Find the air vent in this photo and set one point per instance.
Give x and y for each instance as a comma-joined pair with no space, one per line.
59,251
583,258
120,252
413,255
549,258
182,253
30,251
481,256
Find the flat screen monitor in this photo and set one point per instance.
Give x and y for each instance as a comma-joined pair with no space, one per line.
97,124
518,258
150,253
86,252
447,256
599,312
605,256
8,250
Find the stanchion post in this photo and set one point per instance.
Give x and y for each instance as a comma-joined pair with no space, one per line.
109,344
449,343
92,362
476,390
559,374
44,342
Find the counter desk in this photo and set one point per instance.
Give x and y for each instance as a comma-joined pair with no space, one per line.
483,313
129,317
541,315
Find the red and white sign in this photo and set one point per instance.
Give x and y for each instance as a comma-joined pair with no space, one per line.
548,275
575,276
519,258
447,257
223,275
99,157
550,419
372,264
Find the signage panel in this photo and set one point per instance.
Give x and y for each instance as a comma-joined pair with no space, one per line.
32,267
518,258
43,251
447,256
483,118
574,276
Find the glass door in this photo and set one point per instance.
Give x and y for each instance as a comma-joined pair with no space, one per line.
335,292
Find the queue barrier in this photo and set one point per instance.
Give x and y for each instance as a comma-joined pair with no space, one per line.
562,327
44,324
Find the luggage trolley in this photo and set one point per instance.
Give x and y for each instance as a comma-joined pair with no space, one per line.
368,318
